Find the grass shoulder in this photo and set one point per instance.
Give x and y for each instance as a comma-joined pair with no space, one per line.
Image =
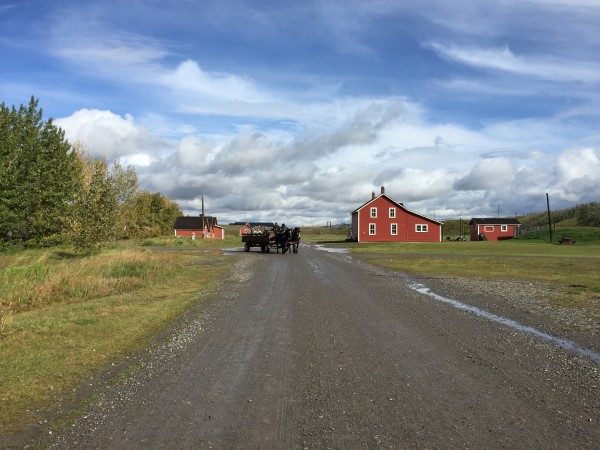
571,271
63,316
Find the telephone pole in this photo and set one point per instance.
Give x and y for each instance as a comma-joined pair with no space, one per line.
549,220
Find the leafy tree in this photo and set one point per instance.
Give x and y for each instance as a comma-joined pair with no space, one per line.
125,183
38,175
588,214
94,210
154,215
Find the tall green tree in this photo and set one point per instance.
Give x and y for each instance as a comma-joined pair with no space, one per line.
38,175
154,215
94,212
125,183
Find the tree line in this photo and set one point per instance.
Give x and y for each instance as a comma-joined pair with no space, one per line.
52,191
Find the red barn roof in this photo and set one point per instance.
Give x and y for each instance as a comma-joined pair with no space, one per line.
399,205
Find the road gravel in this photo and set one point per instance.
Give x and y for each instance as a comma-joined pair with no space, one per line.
317,350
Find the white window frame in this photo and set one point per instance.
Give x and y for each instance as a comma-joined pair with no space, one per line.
392,213
392,231
503,227
373,212
421,228
488,228
374,229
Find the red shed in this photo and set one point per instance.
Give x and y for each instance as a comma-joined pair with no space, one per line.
198,227
381,219
490,229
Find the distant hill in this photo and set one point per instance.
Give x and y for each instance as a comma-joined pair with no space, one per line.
583,215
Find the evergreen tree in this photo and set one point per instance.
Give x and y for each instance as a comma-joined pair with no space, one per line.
38,175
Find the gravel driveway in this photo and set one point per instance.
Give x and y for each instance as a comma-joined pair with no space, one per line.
316,350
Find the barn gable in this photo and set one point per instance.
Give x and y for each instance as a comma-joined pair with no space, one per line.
382,219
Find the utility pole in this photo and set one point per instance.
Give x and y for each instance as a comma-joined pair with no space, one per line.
549,220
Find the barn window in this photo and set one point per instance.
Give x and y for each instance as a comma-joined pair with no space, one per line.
372,229
394,229
503,227
488,228
373,212
392,213
421,228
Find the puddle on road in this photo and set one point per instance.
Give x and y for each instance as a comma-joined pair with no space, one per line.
341,251
565,344
233,250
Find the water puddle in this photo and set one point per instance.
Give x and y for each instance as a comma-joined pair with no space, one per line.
565,344
340,250
233,250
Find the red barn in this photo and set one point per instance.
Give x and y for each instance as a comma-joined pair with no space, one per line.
489,229
198,227
381,219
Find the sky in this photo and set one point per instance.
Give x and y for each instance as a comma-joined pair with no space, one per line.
297,111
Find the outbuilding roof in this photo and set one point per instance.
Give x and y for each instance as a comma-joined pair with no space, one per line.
194,222
495,221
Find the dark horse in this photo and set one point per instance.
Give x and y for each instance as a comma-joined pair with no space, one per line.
287,240
295,240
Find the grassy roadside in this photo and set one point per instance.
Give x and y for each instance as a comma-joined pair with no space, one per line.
63,316
572,271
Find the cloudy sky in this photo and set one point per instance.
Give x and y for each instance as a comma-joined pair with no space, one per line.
297,111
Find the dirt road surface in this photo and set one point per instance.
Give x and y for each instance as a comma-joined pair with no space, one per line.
315,350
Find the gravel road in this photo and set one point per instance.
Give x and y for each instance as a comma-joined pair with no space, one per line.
316,350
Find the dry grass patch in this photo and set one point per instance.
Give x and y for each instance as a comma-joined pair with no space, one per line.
62,316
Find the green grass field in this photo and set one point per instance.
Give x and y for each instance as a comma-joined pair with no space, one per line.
63,316
573,271
582,235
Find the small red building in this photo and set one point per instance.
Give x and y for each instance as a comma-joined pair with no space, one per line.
381,219
197,227
490,229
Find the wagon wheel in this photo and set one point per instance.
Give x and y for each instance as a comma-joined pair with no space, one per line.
247,247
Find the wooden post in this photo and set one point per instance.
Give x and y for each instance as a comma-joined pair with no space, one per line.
549,220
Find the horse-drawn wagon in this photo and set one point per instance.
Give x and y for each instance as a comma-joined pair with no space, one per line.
286,239
263,238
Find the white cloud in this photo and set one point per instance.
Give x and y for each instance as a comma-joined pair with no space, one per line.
109,135
488,174
574,164
503,59
137,159
190,79
326,173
